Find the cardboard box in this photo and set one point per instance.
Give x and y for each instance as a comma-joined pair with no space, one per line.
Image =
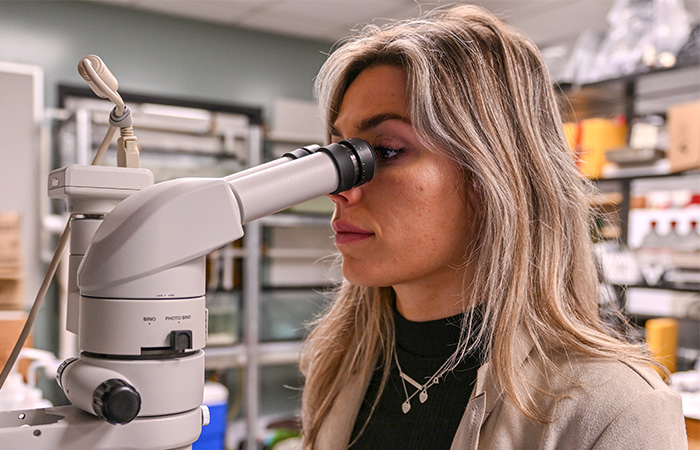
11,324
684,136
12,293
10,243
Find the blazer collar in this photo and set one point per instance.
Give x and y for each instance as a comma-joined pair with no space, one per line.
337,426
486,381
487,393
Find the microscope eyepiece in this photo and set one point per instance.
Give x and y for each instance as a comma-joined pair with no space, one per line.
355,160
302,151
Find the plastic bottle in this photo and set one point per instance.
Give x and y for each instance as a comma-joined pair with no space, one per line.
16,394
654,256
674,241
692,239
653,239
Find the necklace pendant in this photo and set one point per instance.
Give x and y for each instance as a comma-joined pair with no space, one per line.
406,407
423,396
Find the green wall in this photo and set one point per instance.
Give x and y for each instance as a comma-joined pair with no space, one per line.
158,55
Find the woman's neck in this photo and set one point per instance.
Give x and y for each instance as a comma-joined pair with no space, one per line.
421,301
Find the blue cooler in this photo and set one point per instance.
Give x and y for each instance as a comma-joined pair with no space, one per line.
216,399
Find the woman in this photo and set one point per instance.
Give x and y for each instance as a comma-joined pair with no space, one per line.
469,315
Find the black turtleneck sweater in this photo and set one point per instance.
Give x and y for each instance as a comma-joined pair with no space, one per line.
422,347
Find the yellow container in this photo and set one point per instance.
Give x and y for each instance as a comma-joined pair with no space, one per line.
662,340
591,138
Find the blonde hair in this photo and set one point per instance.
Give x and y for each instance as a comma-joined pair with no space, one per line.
480,92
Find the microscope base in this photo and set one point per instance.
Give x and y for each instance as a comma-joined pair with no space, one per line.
67,427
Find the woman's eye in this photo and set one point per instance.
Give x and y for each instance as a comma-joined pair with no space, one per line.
386,154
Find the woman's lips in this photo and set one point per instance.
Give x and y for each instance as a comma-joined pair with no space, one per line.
346,233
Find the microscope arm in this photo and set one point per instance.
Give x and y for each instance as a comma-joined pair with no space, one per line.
171,223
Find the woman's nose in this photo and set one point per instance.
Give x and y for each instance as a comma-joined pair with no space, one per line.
347,198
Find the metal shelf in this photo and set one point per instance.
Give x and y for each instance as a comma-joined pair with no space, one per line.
270,353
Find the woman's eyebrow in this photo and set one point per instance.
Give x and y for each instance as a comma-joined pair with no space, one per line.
373,121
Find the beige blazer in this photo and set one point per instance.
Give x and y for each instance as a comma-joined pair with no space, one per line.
604,405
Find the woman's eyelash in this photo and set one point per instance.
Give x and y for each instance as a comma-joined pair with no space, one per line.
385,154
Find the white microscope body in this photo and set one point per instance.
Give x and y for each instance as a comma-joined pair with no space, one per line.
136,294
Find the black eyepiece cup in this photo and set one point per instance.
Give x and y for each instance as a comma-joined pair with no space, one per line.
355,161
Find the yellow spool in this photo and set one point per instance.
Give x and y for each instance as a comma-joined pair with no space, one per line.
662,340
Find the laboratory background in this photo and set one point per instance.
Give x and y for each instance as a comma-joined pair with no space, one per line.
215,87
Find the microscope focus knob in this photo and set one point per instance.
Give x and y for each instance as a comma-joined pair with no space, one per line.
116,401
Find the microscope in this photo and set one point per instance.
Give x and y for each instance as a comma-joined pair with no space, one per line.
137,291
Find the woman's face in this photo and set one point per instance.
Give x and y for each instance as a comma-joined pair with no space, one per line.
410,225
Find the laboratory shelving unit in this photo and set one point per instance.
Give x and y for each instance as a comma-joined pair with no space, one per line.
649,92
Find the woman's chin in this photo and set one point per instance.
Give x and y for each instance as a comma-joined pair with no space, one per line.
361,276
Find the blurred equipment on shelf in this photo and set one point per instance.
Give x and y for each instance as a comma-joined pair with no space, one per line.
198,140
224,325
286,313
607,223
300,254
646,152
577,69
670,29
618,264
663,230
690,53
650,302
641,35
